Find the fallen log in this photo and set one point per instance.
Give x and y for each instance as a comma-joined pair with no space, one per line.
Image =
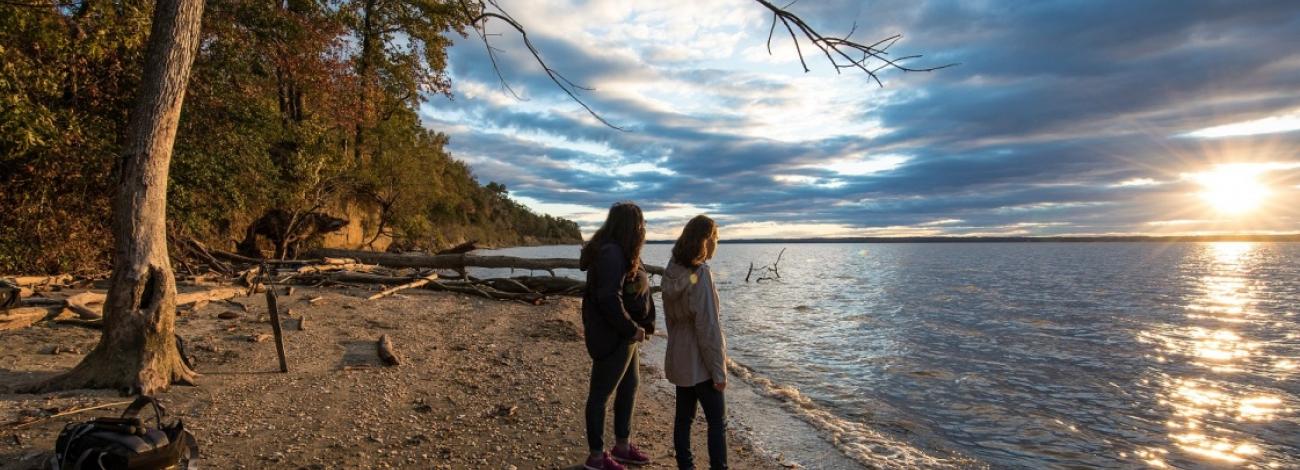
33,282
226,255
524,293
413,284
459,262
23,317
220,293
89,305
351,277
43,302
386,352
506,285
91,324
470,288
204,254
327,267
552,284
461,248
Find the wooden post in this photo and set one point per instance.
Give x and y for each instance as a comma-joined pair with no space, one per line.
275,319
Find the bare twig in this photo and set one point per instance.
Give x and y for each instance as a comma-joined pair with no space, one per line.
841,52
410,285
771,272
23,425
480,13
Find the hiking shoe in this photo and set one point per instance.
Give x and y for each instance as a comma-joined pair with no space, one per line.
602,463
632,455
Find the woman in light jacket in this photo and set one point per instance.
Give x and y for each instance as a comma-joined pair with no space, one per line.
696,358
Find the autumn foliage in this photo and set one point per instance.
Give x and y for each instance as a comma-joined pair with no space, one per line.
292,104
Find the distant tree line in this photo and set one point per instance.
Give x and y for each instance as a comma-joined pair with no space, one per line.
297,105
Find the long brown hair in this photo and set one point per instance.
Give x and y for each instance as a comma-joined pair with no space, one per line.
692,247
625,227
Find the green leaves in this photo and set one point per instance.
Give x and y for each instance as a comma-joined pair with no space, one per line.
275,99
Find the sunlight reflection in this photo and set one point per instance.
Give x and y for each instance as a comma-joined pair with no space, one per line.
1200,406
1230,252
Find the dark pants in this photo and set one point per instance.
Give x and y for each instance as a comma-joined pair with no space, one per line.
617,371
715,412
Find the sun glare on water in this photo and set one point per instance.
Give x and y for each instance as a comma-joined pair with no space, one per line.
1232,189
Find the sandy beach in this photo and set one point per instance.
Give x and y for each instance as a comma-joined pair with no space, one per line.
485,384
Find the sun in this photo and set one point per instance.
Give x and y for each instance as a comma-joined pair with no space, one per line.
1232,189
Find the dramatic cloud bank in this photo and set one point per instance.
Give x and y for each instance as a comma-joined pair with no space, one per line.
1063,117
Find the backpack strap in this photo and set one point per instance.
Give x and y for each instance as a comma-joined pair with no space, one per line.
133,411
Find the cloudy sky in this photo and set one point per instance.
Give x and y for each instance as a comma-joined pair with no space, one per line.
1063,117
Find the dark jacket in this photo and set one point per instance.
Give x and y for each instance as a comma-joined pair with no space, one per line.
613,306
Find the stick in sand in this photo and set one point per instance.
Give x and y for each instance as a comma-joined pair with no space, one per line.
275,321
410,285
19,425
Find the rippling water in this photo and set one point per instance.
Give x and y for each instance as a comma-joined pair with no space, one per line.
1048,355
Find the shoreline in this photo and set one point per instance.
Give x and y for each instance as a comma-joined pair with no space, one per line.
485,384
762,422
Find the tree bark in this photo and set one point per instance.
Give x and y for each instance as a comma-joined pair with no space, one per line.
137,351
363,74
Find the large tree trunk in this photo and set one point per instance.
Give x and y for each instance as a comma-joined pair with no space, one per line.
363,74
137,351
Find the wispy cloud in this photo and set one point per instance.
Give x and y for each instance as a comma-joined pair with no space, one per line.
1064,117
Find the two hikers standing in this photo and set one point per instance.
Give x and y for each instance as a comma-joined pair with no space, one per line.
618,313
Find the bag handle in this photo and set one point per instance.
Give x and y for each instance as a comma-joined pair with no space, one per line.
139,404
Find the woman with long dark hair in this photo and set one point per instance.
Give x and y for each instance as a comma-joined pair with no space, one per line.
696,358
617,313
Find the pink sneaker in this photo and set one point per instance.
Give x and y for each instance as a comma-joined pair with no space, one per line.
602,463
632,456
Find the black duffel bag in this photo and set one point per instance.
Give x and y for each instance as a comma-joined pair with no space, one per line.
125,443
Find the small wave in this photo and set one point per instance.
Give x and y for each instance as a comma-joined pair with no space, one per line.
858,441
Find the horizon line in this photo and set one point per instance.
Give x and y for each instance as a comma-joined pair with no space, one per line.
1291,237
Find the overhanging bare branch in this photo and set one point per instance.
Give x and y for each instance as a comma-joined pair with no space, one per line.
480,13
843,52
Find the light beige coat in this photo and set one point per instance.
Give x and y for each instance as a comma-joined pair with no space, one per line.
697,351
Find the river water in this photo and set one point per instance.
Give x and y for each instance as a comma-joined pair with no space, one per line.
1030,355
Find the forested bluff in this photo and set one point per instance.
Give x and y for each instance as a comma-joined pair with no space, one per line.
294,107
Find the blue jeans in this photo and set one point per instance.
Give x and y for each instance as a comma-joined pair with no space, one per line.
715,413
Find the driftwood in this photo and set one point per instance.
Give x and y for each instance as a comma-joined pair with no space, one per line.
273,307
43,302
552,284
23,317
88,305
92,324
459,262
36,282
467,287
220,293
771,272
197,249
461,248
386,352
16,425
326,267
410,285
351,277
238,258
